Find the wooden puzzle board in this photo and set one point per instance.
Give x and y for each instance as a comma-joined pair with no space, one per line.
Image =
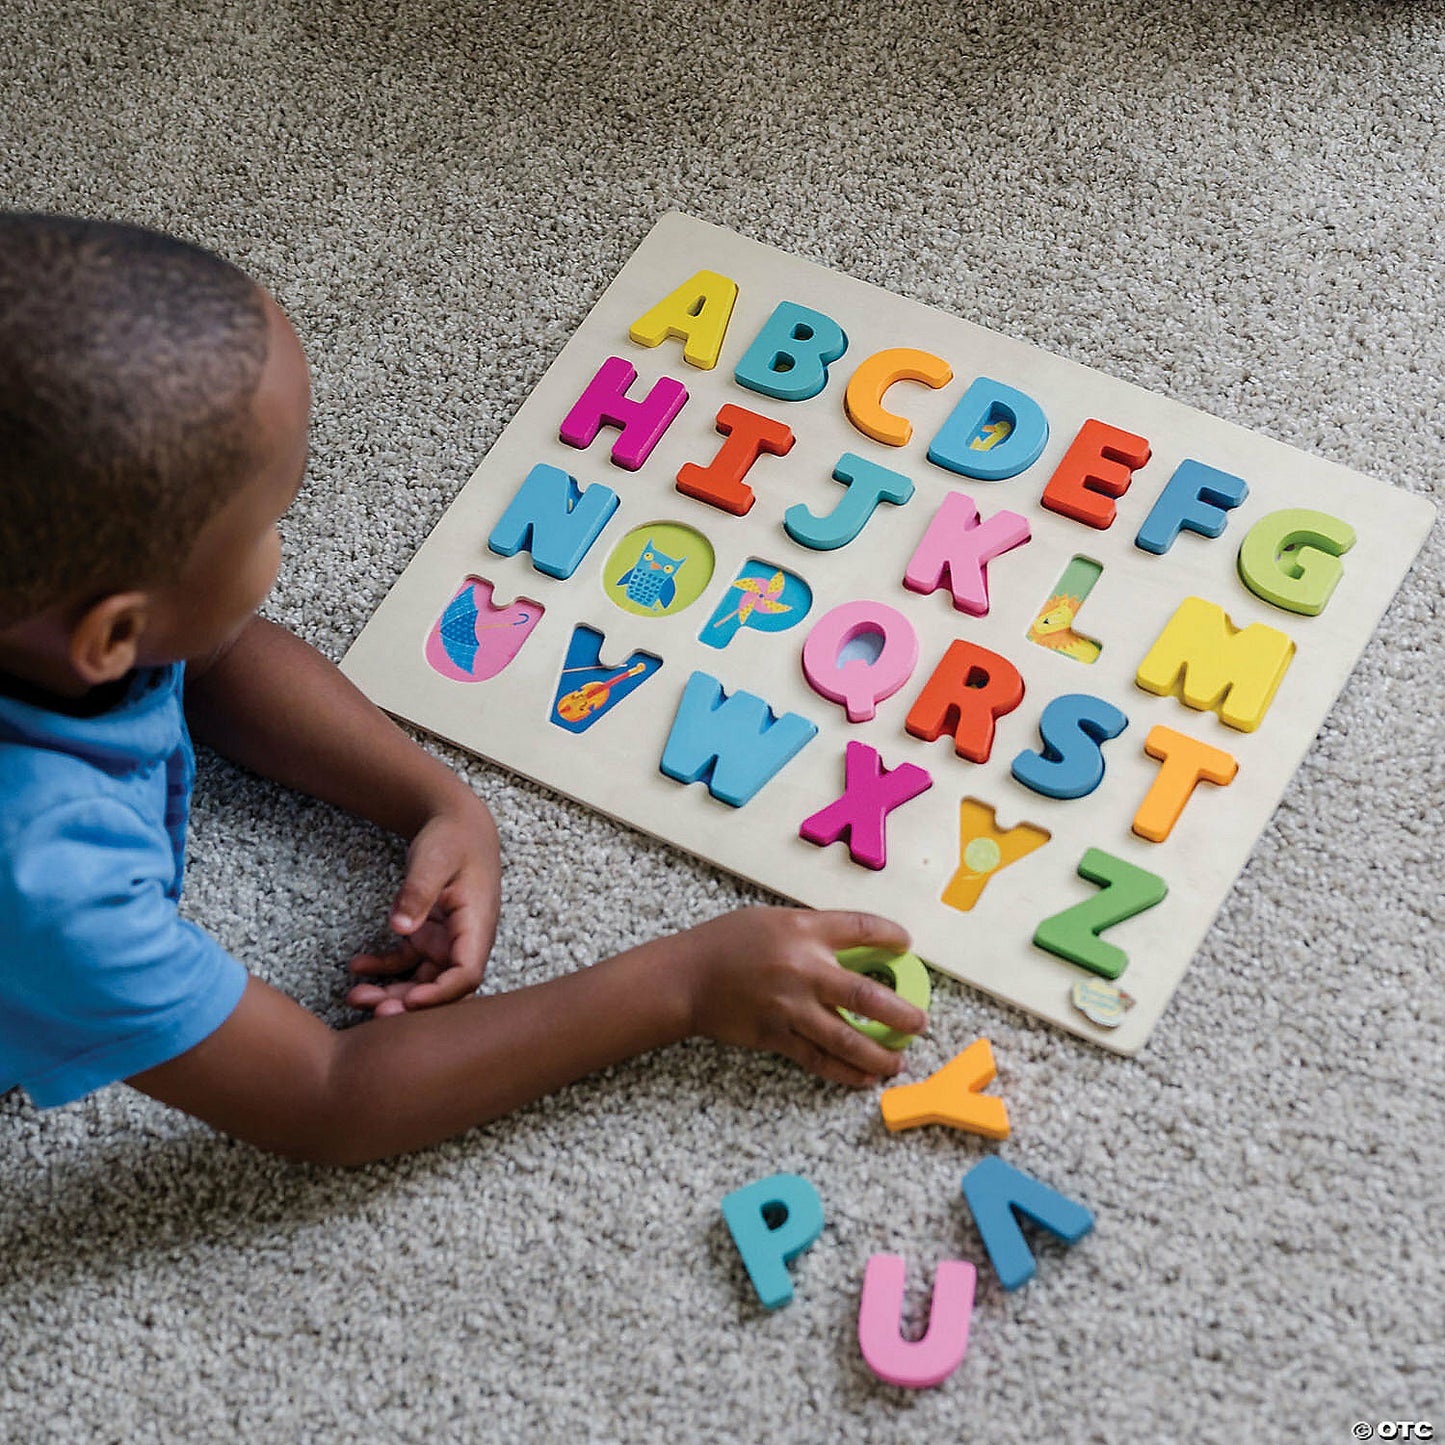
613,765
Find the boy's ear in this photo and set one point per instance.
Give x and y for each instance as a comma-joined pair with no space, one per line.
106,638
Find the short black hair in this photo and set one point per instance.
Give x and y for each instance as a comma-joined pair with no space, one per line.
128,363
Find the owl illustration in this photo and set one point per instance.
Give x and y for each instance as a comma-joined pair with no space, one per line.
651,581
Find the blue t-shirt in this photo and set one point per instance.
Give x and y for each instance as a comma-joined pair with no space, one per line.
100,977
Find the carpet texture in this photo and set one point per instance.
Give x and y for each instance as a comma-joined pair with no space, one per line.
1236,204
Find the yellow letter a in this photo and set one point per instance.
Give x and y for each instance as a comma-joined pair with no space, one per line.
697,313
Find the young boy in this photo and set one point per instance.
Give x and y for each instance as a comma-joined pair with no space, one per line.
154,406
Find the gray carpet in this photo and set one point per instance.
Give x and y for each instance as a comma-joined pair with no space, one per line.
1237,204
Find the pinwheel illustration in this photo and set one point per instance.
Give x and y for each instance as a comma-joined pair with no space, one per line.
758,596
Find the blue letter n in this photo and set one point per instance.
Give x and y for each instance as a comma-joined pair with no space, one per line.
553,519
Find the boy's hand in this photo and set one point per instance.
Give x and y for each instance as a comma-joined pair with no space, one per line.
445,915
763,977
274,704
767,978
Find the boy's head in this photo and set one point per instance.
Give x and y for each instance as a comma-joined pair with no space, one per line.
153,412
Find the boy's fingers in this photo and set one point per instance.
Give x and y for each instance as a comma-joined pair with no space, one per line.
467,949
825,1064
401,959
843,928
860,994
431,940
426,876
461,947
834,1035
452,985
444,985
369,995
426,972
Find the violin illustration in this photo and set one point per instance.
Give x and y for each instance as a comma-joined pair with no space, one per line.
592,696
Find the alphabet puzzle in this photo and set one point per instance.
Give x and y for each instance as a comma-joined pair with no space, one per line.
880,609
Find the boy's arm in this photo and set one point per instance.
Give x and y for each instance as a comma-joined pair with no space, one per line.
277,706
277,1077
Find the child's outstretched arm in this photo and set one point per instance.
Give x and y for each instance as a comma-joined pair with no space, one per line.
766,978
276,705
